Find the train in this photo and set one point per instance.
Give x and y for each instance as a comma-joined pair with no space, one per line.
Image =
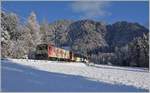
51,52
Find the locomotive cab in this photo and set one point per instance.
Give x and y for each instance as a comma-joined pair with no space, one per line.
41,51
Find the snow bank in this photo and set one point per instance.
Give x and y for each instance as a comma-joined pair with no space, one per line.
138,77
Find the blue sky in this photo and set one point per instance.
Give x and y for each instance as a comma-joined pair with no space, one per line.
109,12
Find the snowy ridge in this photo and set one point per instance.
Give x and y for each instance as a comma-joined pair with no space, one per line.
101,73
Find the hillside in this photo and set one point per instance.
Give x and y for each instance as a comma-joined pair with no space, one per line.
99,41
121,33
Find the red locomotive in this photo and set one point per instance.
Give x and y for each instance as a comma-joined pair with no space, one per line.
50,52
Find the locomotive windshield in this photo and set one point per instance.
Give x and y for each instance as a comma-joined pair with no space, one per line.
41,47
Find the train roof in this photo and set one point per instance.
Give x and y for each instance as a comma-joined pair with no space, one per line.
42,44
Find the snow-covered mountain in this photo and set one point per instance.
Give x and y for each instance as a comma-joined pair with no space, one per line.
121,43
30,75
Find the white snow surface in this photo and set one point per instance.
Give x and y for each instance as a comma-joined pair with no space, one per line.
129,79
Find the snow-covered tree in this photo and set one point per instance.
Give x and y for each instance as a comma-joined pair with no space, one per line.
44,31
34,28
16,38
139,55
9,32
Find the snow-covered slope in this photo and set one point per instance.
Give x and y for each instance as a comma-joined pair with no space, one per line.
31,75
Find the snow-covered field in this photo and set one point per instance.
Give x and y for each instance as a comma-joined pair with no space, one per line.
30,75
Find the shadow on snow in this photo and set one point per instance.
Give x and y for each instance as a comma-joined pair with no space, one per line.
134,69
17,78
